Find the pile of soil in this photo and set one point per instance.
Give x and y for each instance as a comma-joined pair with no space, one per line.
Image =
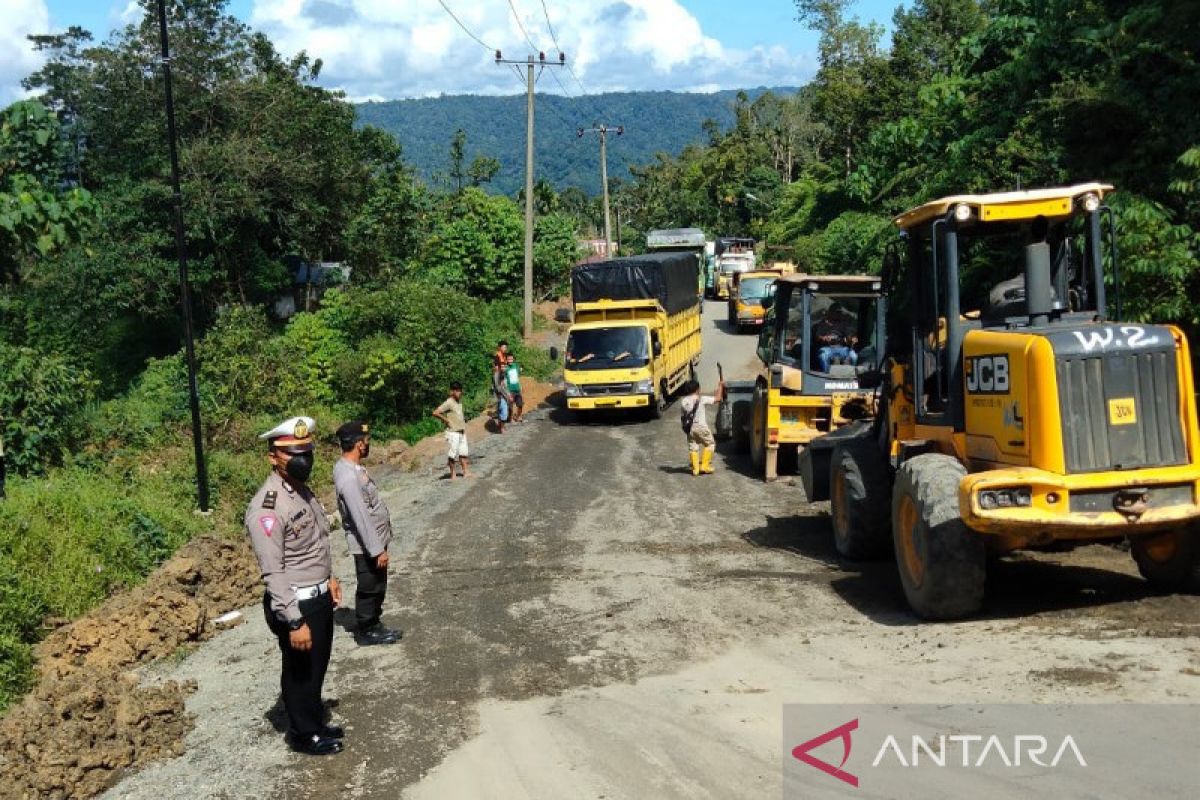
73,737
89,718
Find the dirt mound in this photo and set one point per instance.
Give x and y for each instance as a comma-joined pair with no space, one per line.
89,719
176,605
74,737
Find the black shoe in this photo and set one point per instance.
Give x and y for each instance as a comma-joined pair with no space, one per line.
377,634
332,731
316,744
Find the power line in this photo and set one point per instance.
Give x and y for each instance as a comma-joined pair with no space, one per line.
465,29
521,25
553,38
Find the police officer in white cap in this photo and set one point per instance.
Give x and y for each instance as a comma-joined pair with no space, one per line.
290,533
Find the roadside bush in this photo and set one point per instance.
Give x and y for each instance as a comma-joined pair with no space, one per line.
149,414
235,370
313,351
40,395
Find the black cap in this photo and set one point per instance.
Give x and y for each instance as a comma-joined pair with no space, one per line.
353,431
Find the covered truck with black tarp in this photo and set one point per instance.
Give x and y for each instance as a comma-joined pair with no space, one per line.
636,333
669,278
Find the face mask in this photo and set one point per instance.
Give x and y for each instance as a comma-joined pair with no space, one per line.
300,467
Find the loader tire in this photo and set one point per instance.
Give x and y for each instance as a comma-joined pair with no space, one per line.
942,562
1169,560
758,430
859,500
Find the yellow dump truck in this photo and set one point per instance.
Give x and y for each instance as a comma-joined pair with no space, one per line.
636,333
750,296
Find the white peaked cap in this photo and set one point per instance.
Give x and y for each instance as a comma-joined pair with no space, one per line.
298,428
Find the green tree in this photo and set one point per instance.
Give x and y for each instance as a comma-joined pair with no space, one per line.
850,60
476,245
37,217
458,147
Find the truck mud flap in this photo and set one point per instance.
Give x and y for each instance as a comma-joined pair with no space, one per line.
737,393
816,456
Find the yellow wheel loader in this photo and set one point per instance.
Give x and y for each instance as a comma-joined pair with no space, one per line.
821,332
1013,410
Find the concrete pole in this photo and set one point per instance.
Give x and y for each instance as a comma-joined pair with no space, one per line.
608,240
529,200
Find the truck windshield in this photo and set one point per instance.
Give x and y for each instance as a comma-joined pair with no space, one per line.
730,266
755,288
606,348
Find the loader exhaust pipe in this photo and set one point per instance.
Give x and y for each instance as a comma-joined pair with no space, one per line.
1039,294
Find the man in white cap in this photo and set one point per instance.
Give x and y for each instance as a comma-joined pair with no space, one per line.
290,533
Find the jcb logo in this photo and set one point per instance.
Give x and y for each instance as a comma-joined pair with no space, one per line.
988,374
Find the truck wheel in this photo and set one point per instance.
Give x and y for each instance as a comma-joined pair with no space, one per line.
1169,560
758,429
859,488
942,562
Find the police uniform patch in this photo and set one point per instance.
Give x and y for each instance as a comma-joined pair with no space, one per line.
269,499
268,524
300,430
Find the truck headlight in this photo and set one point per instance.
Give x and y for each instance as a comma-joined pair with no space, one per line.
572,390
644,387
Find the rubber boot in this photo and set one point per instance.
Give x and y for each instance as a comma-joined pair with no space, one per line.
695,463
706,464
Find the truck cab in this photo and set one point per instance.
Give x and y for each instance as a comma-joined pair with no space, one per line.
750,297
610,354
728,265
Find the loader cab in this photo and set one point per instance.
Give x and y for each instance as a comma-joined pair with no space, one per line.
998,262
828,328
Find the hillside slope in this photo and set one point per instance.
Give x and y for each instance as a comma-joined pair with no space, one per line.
495,126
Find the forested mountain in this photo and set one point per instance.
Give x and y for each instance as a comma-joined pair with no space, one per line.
495,126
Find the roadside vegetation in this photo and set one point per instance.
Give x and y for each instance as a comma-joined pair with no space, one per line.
93,384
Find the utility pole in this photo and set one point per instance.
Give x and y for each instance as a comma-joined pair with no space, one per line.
530,82
603,131
185,294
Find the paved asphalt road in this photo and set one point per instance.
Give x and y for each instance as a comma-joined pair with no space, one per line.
587,619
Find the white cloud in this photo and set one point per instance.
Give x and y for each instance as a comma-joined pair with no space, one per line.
17,56
382,48
131,14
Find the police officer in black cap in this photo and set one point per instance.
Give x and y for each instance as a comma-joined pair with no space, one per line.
290,533
368,526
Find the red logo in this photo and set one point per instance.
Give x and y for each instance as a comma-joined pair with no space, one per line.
842,732
268,524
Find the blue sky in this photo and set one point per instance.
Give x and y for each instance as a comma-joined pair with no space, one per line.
382,49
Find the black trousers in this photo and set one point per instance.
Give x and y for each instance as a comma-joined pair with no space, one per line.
303,672
369,591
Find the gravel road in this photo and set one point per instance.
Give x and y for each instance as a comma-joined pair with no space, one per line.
587,619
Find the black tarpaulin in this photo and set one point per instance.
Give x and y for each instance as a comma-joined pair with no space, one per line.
673,279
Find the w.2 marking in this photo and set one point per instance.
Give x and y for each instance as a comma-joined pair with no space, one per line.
1123,336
